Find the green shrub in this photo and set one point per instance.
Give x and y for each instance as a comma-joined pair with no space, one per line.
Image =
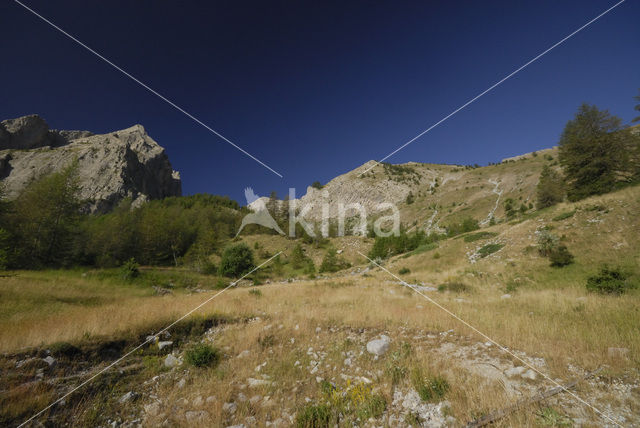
255,292
489,249
560,256
410,199
547,242
203,355
331,262
404,271
609,281
236,260
64,349
317,185
130,269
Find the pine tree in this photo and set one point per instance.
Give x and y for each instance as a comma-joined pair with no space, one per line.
593,152
550,189
637,107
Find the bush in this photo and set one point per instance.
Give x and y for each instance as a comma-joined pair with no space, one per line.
547,242
130,269
404,271
560,256
236,261
203,355
331,262
317,185
609,281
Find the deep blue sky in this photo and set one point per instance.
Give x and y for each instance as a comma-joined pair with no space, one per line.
315,89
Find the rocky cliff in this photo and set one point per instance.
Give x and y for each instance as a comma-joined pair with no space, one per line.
111,167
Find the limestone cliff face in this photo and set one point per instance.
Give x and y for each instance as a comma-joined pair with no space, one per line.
111,167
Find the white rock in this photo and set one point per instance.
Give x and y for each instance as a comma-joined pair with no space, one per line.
152,409
210,399
257,382
164,344
171,361
181,383
230,407
198,401
255,399
196,415
505,296
380,346
244,354
241,397
127,397
618,352
50,360
529,374
514,371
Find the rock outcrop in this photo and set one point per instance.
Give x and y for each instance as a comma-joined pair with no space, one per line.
111,167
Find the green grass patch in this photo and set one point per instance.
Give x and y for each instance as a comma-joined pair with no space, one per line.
564,215
489,249
478,236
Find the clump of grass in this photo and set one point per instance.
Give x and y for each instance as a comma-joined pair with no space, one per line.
609,281
454,287
436,255
550,417
404,271
255,292
564,215
429,388
478,236
267,341
314,416
489,249
203,355
64,349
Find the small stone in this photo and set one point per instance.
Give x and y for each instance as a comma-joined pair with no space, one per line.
196,415
198,401
529,374
127,397
230,407
257,382
318,330
171,361
244,354
50,361
514,371
505,296
152,409
618,352
210,399
241,397
164,344
380,346
255,399
181,383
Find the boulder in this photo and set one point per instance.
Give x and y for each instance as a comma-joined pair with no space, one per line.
171,361
379,346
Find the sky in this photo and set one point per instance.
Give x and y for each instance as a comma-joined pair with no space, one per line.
317,88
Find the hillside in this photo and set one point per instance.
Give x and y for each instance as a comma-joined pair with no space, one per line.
293,347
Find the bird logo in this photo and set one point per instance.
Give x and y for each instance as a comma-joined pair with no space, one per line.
260,214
